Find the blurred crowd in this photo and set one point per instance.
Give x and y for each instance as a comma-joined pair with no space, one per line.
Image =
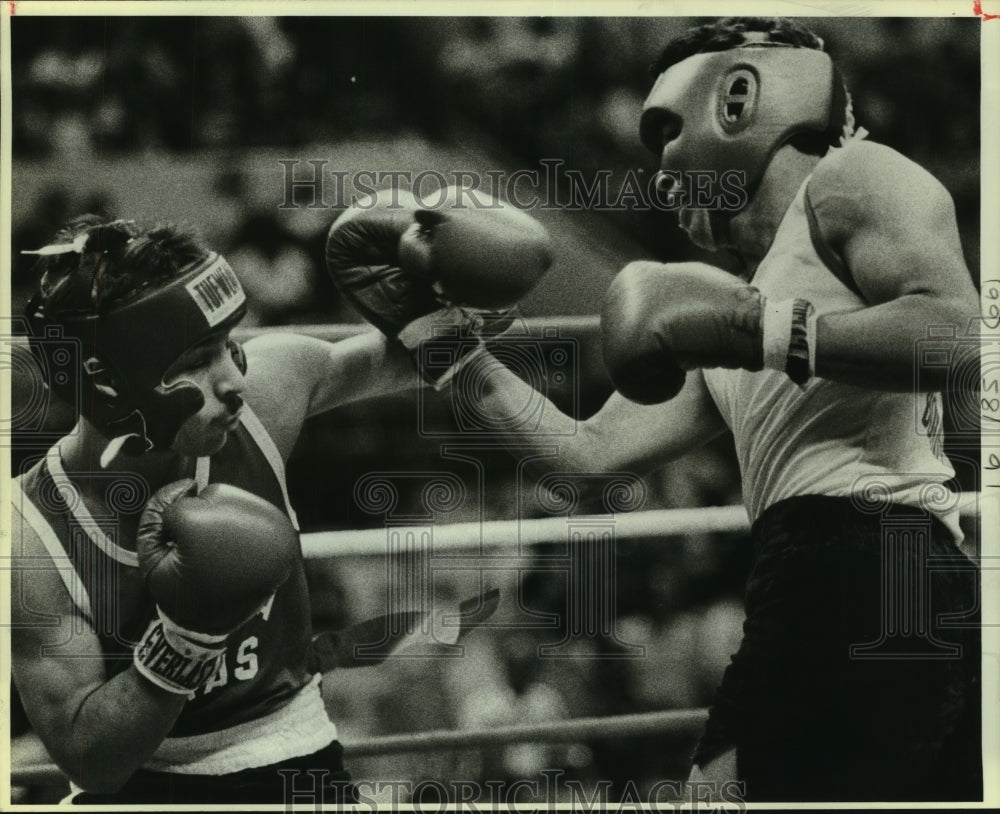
206,94
526,89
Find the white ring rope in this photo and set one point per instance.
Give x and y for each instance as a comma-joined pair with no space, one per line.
669,722
507,534
28,768
569,325
511,534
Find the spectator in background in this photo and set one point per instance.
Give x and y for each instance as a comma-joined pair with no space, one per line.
517,690
276,269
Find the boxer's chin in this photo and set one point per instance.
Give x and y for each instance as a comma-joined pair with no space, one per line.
697,224
705,228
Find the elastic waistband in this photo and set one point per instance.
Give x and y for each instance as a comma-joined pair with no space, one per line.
821,514
300,727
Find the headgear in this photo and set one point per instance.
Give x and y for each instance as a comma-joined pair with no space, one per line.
731,110
135,343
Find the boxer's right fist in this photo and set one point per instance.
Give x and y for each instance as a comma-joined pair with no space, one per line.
659,320
398,258
452,268
210,561
636,356
362,257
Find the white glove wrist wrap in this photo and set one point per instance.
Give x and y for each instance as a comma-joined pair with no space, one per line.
790,338
461,325
191,643
435,324
177,660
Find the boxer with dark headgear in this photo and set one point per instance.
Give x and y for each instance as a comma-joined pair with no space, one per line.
179,665
825,359
128,344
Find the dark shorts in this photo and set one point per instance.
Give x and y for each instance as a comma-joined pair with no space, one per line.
858,674
313,780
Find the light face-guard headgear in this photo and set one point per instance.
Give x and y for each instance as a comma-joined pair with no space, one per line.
136,343
731,110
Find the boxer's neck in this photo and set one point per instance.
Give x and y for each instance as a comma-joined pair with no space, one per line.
753,229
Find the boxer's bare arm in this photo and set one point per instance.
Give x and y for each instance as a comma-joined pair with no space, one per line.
893,225
622,435
98,730
292,377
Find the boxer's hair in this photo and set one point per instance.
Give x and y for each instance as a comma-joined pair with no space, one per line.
115,263
730,32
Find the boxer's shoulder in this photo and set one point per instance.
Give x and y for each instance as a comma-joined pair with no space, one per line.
859,179
282,371
867,188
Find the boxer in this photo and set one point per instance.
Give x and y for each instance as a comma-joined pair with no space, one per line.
174,661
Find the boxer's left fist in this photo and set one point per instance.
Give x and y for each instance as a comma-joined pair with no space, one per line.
660,320
210,561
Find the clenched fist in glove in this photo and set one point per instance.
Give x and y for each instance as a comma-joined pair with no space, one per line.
210,561
660,320
454,265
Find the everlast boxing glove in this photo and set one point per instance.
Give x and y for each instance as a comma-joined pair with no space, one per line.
451,266
210,561
660,320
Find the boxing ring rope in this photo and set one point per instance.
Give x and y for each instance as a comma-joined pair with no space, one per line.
30,765
681,722
336,332
505,534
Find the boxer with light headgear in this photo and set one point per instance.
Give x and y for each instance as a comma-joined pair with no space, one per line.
175,661
812,358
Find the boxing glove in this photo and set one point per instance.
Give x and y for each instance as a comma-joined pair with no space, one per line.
210,561
362,258
660,320
477,250
451,267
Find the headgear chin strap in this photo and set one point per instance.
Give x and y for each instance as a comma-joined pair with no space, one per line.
126,352
729,111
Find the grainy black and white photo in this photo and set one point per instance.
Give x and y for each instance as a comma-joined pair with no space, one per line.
473,408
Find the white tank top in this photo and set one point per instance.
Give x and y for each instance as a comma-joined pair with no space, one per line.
830,438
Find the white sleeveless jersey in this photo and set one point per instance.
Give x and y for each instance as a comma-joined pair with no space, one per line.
830,438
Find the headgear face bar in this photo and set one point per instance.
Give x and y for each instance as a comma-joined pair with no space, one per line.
731,110
133,345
